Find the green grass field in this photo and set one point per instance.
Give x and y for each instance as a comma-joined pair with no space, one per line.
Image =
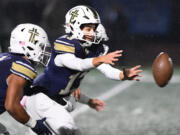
132,108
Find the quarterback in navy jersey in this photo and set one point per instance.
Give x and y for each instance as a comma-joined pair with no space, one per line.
73,55
61,80
27,45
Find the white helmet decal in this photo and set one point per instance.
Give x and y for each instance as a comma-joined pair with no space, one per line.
33,33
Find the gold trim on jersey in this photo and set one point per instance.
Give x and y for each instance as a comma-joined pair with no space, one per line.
64,48
24,70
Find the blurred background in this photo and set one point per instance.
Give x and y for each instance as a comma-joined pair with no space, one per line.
142,28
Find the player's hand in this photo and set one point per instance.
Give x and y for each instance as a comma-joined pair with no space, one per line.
40,128
110,58
97,104
77,94
132,73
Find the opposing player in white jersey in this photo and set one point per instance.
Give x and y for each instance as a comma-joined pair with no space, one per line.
73,55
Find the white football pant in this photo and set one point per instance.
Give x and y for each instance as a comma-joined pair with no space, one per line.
57,117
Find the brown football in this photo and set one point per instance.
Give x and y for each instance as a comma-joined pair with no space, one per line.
162,69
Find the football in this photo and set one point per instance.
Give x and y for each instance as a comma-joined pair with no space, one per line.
162,69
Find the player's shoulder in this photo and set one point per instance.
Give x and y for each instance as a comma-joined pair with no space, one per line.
65,44
23,68
66,40
4,56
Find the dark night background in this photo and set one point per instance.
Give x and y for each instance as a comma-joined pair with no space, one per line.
142,28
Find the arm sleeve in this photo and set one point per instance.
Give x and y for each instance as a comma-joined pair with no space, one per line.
109,71
71,61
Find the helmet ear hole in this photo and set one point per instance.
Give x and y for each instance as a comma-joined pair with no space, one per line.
23,48
22,29
30,48
35,42
71,28
27,54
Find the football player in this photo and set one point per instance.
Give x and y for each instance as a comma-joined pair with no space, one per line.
73,55
77,95
27,46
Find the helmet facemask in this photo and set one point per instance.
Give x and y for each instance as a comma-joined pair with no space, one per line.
45,54
41,54
101,34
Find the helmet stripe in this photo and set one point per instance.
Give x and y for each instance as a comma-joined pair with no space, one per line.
94,12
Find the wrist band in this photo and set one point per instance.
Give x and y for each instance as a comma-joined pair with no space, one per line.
84,99
31,123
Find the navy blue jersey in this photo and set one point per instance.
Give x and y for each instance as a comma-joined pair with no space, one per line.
57,79
13,64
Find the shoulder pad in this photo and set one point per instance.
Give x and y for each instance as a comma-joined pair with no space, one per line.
24,70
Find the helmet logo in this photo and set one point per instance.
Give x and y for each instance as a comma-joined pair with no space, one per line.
33,34
74,14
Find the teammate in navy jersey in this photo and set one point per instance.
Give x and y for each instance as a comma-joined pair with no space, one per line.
27,45
72,56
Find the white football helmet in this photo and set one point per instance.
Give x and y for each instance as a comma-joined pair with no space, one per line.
32,41
77,16
101,34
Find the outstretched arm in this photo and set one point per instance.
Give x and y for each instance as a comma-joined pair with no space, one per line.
116,74
71,61
96,104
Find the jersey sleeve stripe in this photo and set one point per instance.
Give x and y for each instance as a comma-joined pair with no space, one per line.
25,71
26,65
64,48
65,43
20,74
